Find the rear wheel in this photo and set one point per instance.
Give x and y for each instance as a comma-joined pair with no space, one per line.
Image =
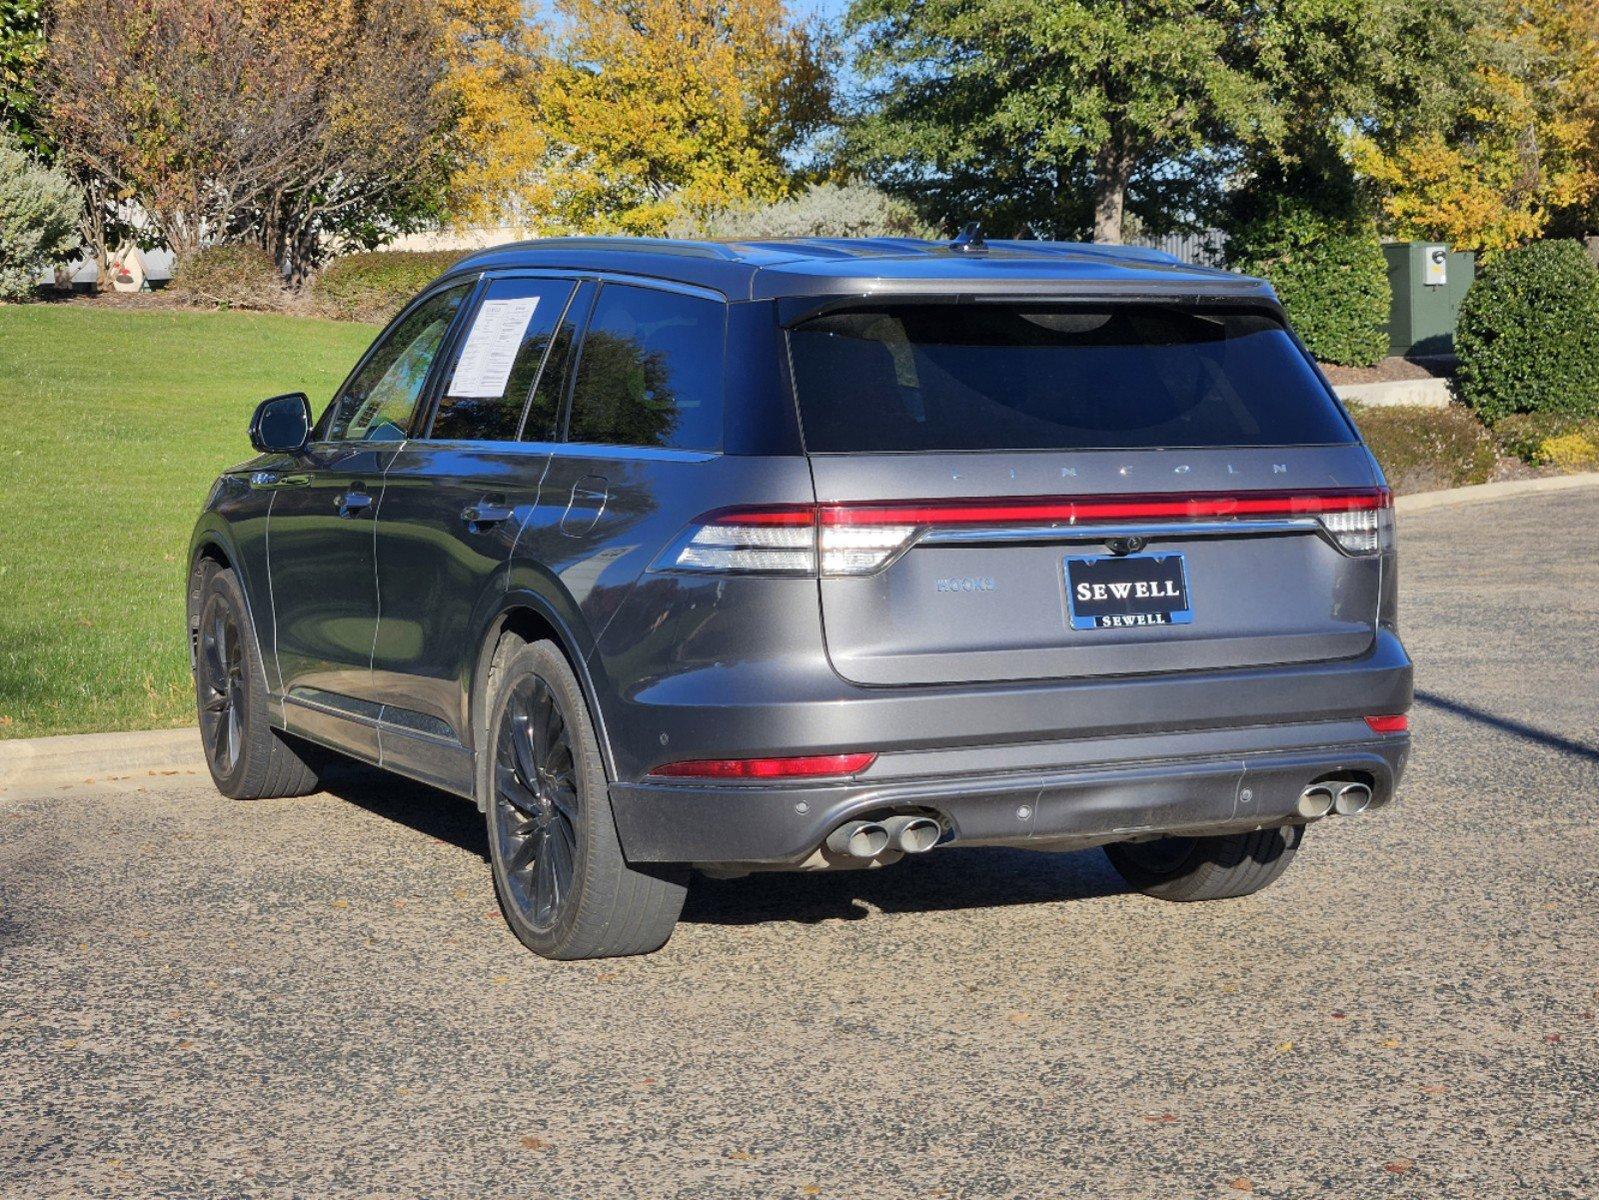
249,760
563,885
1207,868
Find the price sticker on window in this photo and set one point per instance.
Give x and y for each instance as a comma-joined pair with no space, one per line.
491,347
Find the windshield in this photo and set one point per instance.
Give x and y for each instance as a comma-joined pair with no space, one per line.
942,377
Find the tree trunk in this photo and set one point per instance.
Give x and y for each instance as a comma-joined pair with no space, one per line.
1113,168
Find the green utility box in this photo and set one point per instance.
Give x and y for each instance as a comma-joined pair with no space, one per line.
1429,280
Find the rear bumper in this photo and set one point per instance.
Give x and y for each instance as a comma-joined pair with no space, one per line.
1056,796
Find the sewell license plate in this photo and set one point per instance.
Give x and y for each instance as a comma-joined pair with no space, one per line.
1120,592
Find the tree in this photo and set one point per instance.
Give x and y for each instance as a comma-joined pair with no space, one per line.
500,142
655,104
851,209
1083,104
38,218
1518,150
21,49
252,120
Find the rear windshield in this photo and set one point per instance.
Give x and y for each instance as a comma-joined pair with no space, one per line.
1019,377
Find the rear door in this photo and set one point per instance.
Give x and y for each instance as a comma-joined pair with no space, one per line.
454,502
1031,491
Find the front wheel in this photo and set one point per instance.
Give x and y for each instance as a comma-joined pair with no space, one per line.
249,760
1207,868
563,885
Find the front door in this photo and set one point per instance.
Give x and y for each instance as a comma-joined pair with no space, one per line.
320,555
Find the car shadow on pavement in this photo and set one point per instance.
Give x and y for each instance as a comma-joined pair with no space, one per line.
948,879
414,805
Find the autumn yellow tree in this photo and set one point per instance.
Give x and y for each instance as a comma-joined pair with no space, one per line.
503,154
656,106
1522,149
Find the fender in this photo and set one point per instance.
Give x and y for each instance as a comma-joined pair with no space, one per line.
529,586
213,531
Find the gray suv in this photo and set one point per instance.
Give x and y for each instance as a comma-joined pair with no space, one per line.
811,555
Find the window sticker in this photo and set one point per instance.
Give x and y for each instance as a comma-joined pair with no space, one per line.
490,352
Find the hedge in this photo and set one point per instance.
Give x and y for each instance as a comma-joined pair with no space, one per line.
1528,334
374,286
230,277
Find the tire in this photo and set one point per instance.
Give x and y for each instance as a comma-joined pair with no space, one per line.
248,759
562,883
1207,868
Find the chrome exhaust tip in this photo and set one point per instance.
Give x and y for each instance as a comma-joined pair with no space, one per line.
1352,798
1315,801
858,839
913,835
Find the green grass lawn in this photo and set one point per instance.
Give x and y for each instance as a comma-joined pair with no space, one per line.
113,423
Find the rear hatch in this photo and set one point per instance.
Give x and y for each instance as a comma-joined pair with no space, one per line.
1015,490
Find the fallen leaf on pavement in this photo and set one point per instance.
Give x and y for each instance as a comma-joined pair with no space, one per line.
534,1143
1399,1166
1241,1185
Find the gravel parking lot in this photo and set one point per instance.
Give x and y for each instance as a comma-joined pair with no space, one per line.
316,997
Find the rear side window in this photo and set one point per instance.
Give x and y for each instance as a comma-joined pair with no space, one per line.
649,372
498,356
937,377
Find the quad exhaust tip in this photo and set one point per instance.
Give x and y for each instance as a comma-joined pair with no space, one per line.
913,835
858,839
1316,801
1352,798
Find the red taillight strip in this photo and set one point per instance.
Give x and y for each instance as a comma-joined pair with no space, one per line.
1064,509
1397,723
770,768
1079,509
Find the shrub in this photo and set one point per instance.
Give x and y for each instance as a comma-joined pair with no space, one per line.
230,277
1528,334
375,285
1311,234
1570,452
1422,449
821,210
39,210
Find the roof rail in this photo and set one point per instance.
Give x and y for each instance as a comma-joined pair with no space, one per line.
635,245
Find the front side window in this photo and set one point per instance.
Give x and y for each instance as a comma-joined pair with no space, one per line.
377,404
501,352
649,372
950,377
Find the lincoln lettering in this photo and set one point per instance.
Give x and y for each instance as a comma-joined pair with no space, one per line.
1164,589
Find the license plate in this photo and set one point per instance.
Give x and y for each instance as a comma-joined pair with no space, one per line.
1126,591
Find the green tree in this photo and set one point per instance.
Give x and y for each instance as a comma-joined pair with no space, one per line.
21,50
1084,103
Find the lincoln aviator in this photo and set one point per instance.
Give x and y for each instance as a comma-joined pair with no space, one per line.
814,555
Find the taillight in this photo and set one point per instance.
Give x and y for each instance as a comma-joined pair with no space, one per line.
858,538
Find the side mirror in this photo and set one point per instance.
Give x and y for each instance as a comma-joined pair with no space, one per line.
281,425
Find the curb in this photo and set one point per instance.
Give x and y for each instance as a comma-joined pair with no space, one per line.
1401,393
1456,497
33,763
55,761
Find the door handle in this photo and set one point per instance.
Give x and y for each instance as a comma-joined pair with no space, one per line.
270,480
486,514
353,502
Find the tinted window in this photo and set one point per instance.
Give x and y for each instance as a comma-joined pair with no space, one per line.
497,362
544,413
377,404
1011,377
650,371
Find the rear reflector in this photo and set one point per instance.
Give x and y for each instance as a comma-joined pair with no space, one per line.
1398,723
861,537
770,768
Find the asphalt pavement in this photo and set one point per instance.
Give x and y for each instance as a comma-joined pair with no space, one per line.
316,997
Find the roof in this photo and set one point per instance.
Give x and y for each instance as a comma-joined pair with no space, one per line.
771,269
